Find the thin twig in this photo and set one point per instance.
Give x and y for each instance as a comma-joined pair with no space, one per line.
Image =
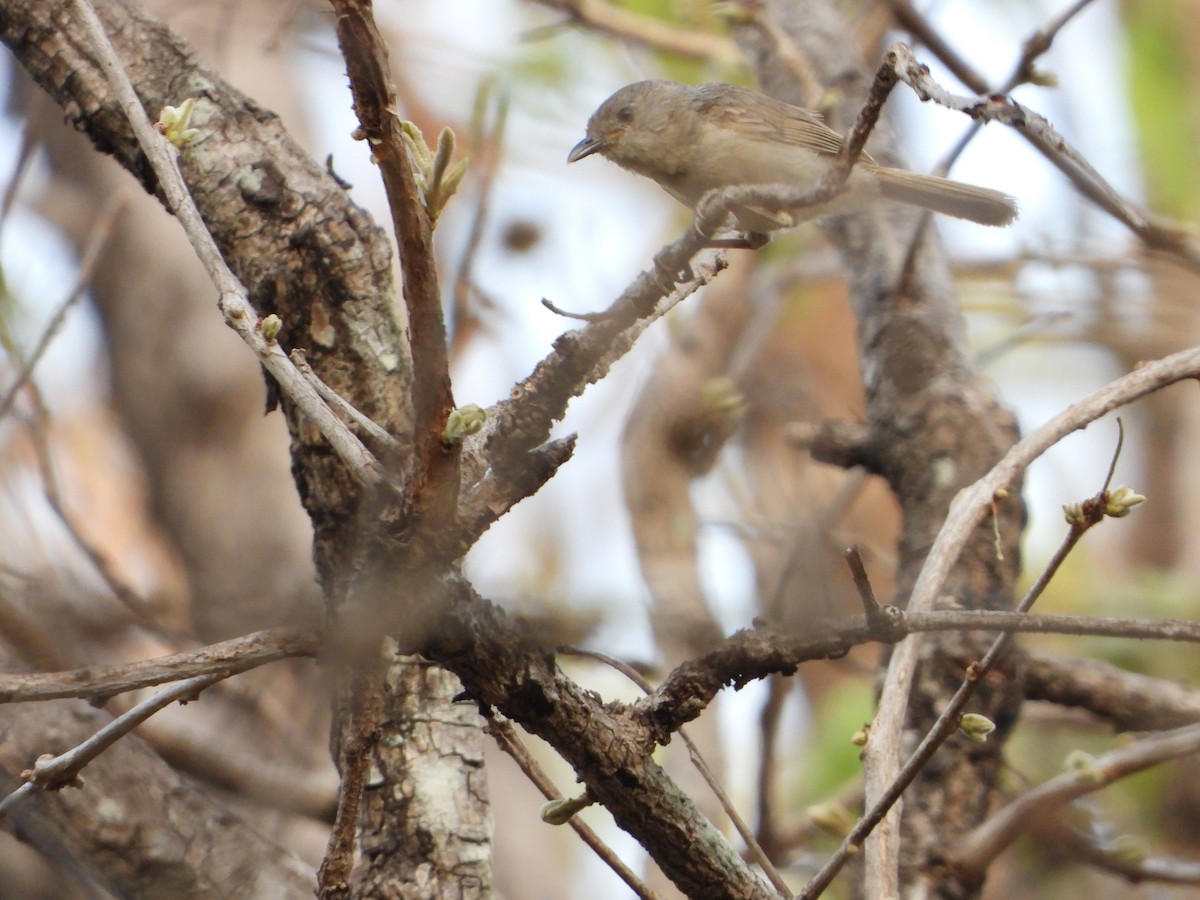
25,157
606,18
975,851
908,18
1154,231
1017,622
868,117
487,149
567,314
1112,466
340,404
98,683
941,729
96,242
1039,43
506,738
1035,46
866,594
63,770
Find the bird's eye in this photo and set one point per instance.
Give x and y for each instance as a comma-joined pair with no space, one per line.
625,114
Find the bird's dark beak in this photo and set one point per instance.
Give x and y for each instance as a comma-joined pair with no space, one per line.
587,147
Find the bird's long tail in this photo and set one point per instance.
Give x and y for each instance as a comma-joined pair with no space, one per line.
953,198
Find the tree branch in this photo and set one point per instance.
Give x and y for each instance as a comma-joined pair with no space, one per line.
435,465
1129,700
974,852
1154,231
98,683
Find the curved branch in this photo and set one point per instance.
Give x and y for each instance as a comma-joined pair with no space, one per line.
974,503
974,852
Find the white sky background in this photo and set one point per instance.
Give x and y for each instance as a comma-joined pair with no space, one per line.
599,226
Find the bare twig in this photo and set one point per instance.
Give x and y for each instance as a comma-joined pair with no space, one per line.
487,149
974,852
63,770
1155,232
638,29
339,403
945,725
1112,466
98,683
1038,43
868,117
232,298
966,511
1034,47
508,741
567,314
866,593
1017,622
25,157
96,242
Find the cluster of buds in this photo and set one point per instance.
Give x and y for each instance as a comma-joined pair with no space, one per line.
436,178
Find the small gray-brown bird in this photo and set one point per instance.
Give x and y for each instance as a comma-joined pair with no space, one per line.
692,140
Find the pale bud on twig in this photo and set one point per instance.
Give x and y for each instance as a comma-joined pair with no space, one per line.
435,177
1121,501
976,727
464,421
559,812
1083,765
833,818
270,326
174,121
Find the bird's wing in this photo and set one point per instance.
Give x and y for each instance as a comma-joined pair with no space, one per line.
768,119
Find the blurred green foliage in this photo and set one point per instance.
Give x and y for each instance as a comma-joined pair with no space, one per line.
1163,76
831,760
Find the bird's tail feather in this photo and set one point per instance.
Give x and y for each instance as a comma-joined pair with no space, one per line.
952,198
